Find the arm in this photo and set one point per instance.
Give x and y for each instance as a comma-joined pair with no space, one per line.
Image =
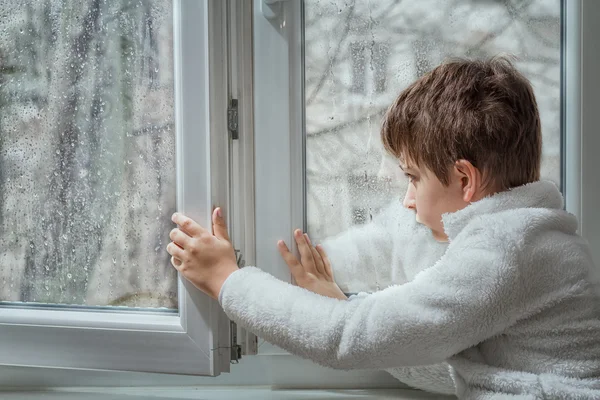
208,260
313,272
434,378
474,292
356,253
467,297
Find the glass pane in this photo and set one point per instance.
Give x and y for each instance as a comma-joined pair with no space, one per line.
361,54
87,152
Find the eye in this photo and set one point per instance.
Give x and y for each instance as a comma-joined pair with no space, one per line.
411,178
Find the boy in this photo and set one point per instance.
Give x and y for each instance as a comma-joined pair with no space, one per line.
510,302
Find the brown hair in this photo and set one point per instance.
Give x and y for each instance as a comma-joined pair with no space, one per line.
480,111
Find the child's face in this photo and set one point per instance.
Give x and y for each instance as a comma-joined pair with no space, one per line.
429,198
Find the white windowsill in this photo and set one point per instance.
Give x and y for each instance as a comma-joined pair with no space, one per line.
215,393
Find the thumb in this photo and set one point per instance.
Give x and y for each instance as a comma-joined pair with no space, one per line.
219,225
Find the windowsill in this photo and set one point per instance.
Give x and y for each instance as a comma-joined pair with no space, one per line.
216,393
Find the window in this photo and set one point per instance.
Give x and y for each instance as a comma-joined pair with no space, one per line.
340,37
376,59
316,111
331,109
325,111
357,53
380,54
106,131
88,154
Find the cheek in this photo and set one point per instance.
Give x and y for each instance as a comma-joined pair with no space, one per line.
422,207
428,212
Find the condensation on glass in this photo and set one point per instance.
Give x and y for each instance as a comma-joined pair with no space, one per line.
361,54
87,152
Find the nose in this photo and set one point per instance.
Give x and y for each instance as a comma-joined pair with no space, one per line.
409,199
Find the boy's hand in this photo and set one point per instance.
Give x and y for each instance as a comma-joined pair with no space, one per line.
313,271
203,258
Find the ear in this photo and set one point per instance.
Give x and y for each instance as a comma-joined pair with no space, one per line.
470,179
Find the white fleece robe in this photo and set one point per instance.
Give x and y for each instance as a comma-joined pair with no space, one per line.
512,305
390,250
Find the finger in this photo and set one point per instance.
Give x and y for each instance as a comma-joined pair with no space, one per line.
176,262
326,261
176,251
316,256
306,257
290,259
179,237
188,225
219,225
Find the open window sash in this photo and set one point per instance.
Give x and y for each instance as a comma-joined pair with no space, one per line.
197,339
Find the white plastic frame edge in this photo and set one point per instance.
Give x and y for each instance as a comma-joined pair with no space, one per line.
581,100
279,138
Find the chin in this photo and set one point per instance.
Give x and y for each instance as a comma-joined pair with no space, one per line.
440,237
423,222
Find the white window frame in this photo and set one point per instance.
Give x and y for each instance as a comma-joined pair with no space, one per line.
581,101
280,138
196,339
280,135
279,129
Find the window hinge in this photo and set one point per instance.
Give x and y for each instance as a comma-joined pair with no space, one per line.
236,348
239,258
232,119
